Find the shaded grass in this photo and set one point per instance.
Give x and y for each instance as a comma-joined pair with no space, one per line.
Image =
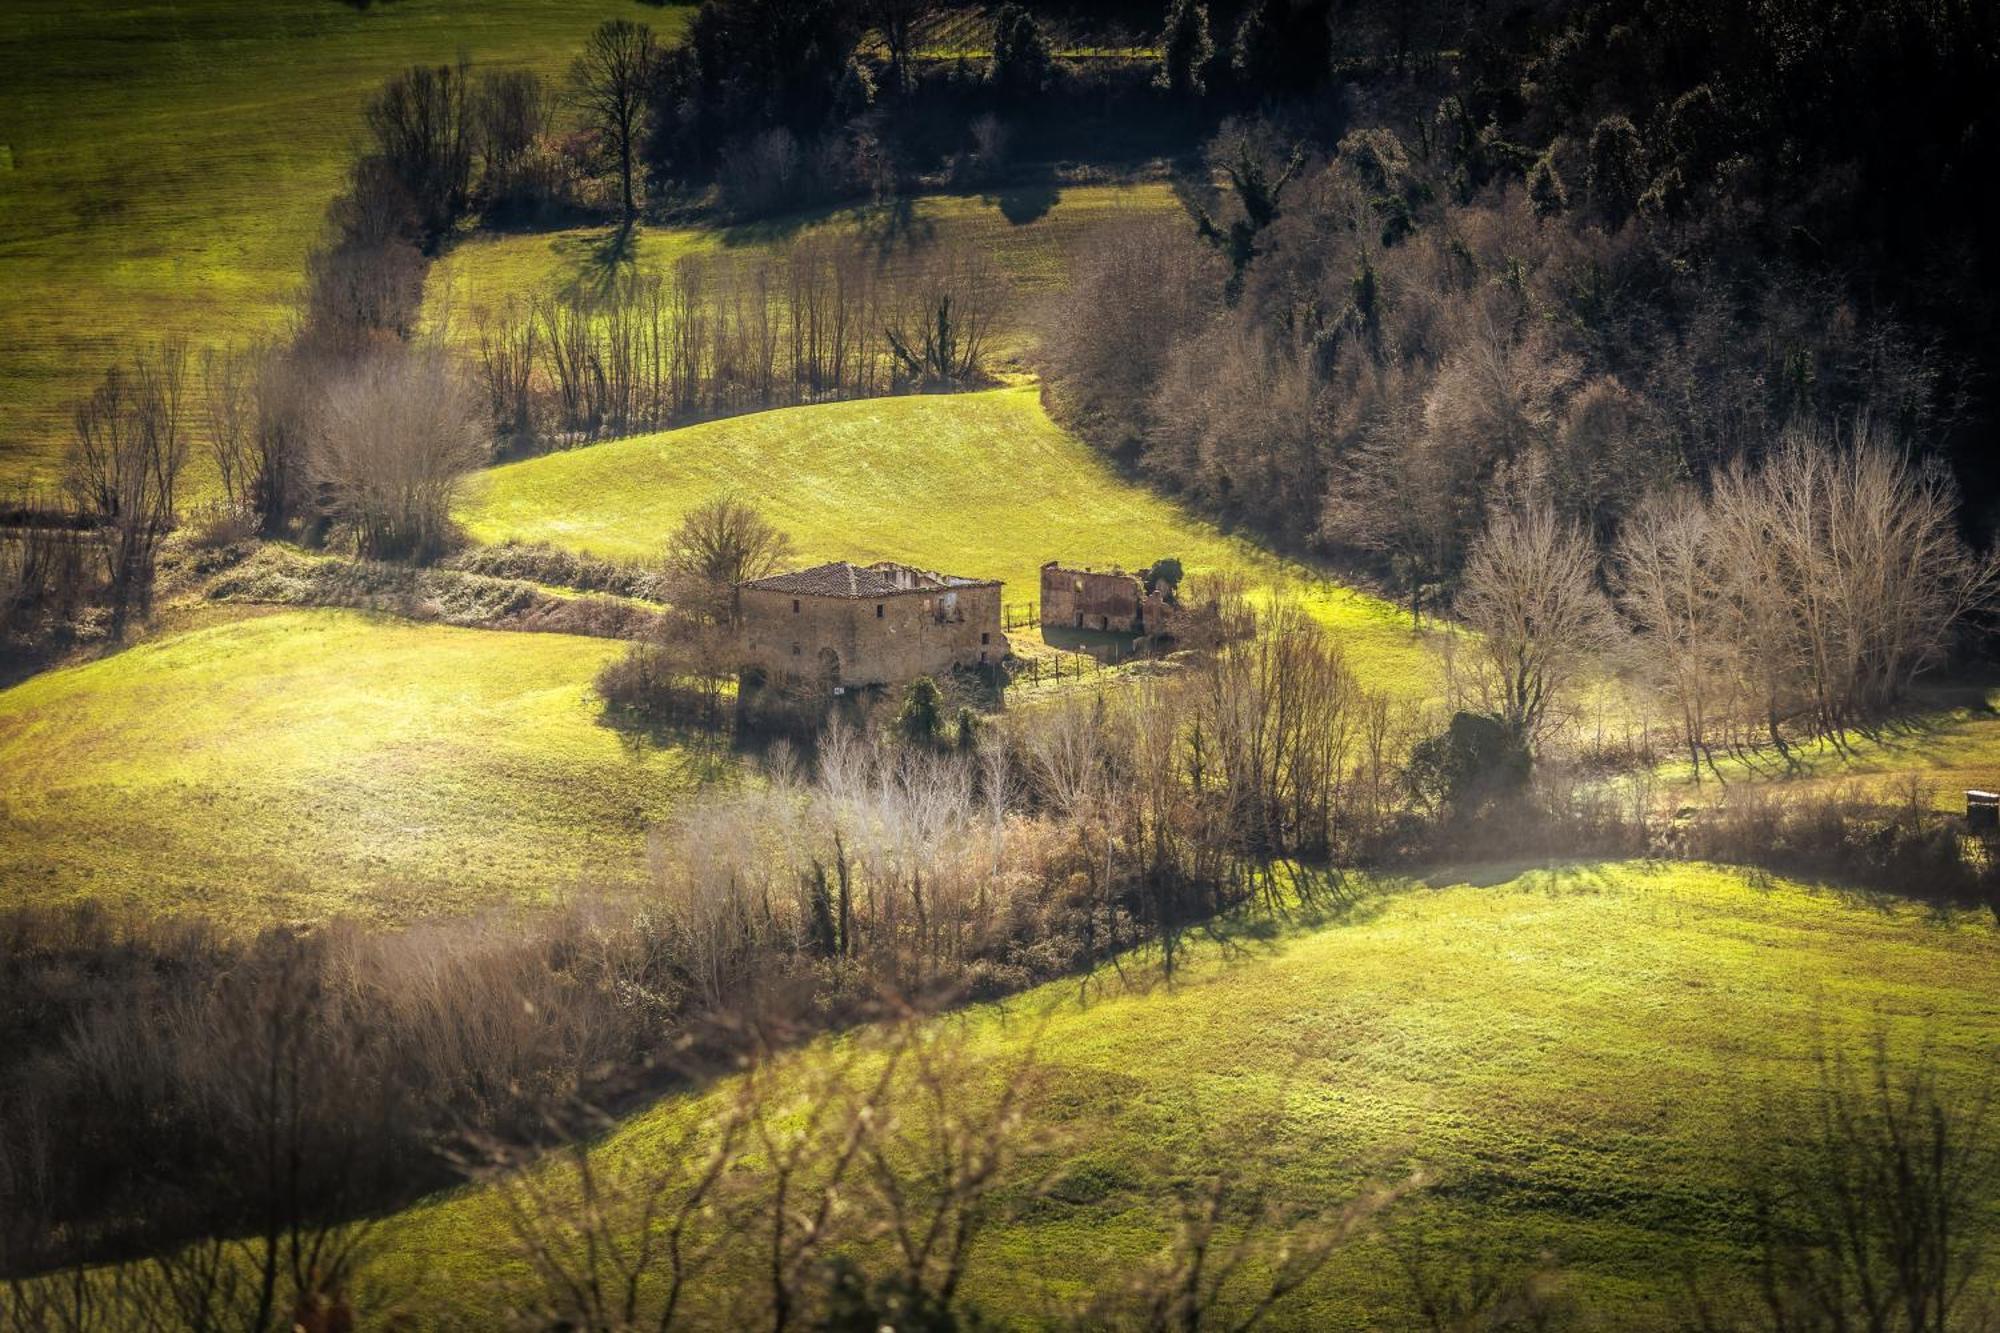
296,765
170,163
1947,742
1569,1055
980,484
1026,231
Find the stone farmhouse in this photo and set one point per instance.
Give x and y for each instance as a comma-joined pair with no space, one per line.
840,626
1100,599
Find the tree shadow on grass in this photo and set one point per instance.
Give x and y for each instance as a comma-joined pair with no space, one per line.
1022,204
1560,875
702,754
886,228
606,262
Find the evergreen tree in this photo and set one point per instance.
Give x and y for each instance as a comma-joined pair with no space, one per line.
1546,190
920,716
1022,59
1617,169
1186,49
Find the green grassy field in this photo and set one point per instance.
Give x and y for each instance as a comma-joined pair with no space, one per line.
164,165
1027,233
291,766
1567,1055
980,484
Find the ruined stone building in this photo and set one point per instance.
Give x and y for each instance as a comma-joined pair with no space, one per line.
841,625
1103,600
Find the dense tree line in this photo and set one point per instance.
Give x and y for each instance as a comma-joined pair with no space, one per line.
1589,263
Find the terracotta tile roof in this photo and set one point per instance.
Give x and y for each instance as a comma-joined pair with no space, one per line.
841,579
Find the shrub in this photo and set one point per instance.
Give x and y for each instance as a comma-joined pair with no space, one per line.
390,446
919,720
1186,49
543,562
1475,762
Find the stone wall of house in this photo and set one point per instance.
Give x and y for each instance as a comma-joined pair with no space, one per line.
1092,599
856,641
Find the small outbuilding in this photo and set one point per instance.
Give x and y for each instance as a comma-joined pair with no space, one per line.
1092,599
840,625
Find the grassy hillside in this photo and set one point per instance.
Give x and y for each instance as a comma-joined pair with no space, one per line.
164,164
981,484
292,765
1566,1054
1027,233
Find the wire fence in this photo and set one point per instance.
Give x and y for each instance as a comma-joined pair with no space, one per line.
1019,615
1058,668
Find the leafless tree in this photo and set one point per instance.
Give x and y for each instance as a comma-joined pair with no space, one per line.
284,392
609,82
938,329
899,22
391,443
1671,582
421,121
512,110
124,468
508,350
1540,620
229,405
1865,548
1871,1198
719,544
1135,290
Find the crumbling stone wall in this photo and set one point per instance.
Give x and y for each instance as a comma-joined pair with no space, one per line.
1092,599
857,641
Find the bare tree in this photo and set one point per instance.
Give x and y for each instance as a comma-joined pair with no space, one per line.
511,109
1670,585
1540,620
284,396
508,347
899,21
938,330
609,82
124,467
719,544
1871,1198
422,124
228,399
390,445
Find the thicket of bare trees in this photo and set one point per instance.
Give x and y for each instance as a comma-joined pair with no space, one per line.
914,871
423,125
131,441
1416,339
1422,359
391,442
708,336
1801,596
